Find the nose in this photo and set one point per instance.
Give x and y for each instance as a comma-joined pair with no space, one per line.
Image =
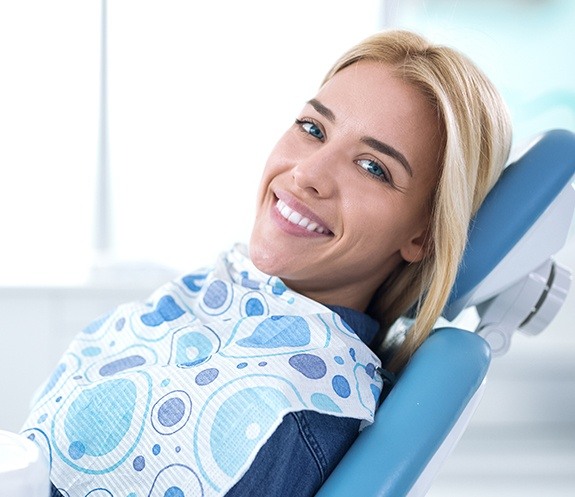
317,173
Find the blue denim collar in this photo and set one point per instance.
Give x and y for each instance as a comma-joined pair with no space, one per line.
364,326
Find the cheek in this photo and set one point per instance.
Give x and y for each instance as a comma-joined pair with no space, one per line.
382,220
264,181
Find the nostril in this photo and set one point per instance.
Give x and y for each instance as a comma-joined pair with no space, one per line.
307,182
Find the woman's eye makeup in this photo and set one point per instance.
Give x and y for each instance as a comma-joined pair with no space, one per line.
375,170
311,128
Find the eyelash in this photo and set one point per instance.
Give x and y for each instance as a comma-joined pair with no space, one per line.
302,122
385,177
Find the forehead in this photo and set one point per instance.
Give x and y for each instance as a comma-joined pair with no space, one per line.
370,99
376,87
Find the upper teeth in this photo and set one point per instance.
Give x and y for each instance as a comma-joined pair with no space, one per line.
297,218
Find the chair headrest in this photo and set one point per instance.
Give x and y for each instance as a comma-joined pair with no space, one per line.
505,224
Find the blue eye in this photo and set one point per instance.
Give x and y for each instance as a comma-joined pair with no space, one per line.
311,129
374,169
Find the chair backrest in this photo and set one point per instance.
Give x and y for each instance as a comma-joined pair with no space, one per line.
522,223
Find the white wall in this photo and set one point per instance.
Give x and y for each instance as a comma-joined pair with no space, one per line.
198,94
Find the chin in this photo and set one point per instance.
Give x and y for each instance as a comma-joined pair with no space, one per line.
264,258
273,258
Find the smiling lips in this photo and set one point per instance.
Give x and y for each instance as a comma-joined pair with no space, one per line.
298,219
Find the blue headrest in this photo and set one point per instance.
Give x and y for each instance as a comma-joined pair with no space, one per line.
525,190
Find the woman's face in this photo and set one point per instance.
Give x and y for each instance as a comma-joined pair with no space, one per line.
344,196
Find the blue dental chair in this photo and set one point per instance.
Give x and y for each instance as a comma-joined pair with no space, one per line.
509,277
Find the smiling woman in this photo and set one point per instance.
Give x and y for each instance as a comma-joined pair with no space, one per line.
339,165
253,376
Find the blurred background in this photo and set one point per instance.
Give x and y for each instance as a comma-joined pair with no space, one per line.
132,137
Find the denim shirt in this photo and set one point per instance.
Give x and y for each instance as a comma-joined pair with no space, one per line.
306,446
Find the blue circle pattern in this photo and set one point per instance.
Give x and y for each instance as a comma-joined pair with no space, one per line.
139,463
278,331
206,376
120,324
102,413
253,303
166,310
232,420
324,403
94,326
341,386
91,351
254,307
199,343
216,294
311,366
171,412
94,434
174,492
122,364
133,358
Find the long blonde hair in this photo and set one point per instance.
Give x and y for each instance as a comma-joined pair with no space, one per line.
476,131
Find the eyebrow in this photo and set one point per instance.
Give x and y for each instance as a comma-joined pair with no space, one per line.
322,109
386,149
374,143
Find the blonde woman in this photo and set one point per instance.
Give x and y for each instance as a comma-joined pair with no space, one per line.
252,377
475,136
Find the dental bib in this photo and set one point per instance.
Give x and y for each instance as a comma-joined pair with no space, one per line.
175,396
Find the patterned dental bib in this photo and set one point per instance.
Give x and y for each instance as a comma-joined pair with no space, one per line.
174,397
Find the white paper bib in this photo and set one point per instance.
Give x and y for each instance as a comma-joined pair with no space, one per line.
174,397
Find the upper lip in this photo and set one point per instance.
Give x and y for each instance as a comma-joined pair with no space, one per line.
296,205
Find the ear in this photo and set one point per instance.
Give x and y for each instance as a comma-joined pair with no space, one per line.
415,248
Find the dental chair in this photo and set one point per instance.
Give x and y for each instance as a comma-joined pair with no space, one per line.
508,276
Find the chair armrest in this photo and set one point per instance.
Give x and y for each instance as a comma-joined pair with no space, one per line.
412,423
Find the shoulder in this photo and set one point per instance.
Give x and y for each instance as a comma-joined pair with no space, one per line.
299,456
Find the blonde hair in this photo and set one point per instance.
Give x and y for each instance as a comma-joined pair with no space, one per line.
476,134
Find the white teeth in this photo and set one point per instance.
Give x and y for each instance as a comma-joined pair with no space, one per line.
296,218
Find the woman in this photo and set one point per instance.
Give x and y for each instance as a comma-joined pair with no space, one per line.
362,214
